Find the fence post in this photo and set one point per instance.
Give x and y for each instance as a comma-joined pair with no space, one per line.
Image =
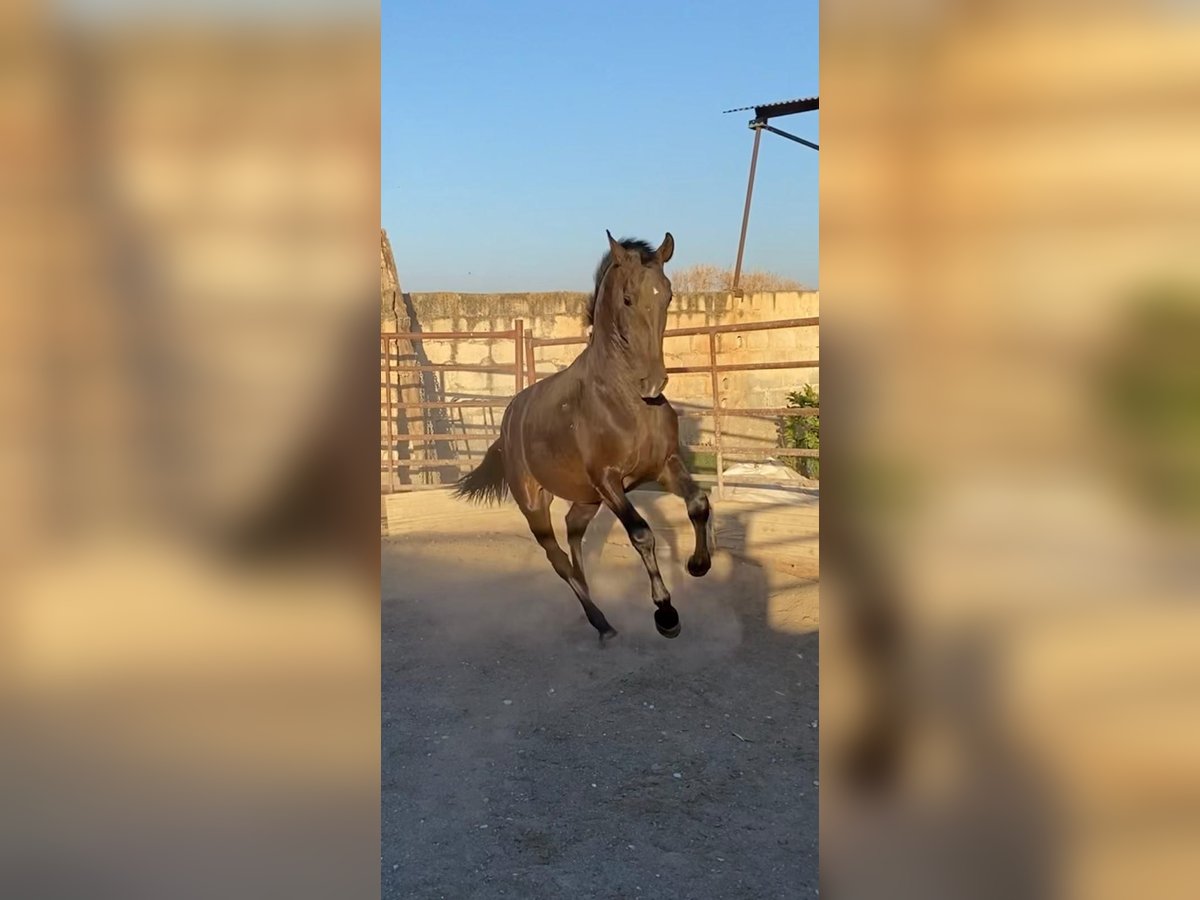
716,407
530,362
386,346
519,355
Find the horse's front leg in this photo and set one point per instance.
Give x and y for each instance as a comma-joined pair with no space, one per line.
612,491
678,480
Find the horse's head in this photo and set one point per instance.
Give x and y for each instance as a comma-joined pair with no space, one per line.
631,309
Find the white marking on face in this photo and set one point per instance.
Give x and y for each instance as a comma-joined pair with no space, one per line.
656,292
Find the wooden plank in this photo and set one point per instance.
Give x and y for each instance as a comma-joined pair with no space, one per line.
751,411
448,335
415,464
754,451
747,367
774,325
454,367
456,436
771,325
465,404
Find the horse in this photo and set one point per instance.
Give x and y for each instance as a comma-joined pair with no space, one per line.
599,428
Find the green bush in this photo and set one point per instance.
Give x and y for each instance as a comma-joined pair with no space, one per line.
699,462
803,432
1149,401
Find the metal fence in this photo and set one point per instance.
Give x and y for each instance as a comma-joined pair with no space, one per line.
397,444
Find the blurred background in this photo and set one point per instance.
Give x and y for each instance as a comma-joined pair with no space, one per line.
1010,217
189,637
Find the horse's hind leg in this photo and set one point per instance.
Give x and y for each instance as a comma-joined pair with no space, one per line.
537,514
579,517
678,480
612,491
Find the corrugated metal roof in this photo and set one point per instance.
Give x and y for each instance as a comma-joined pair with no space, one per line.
801,104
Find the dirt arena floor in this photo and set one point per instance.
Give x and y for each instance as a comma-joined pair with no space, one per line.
521,759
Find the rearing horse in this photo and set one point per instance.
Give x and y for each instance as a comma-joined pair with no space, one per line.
596,429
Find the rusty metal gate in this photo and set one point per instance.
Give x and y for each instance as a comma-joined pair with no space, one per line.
426,441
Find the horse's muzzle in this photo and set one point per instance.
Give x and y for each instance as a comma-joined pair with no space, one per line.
652,388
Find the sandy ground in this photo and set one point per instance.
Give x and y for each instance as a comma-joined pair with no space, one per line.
521,759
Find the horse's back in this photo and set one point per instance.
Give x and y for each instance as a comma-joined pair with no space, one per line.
562,432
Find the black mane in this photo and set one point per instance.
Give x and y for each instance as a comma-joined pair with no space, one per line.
641,246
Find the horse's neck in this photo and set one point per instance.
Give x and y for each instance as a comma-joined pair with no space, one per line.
608,356
604,350
604,364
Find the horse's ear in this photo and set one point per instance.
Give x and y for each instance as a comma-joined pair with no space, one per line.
615,251
666,249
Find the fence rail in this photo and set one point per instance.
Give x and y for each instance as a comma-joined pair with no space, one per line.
524,372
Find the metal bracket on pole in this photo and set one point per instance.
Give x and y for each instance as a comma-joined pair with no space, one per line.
790,137
763,113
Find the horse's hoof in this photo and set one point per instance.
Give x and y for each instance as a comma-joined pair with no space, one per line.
666,620
607,636
698,567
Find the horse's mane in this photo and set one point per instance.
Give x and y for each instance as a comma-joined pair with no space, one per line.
606,260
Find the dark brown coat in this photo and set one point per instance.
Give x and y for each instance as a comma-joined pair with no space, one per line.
600,427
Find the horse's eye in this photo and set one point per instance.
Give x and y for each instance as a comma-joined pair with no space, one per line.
628,300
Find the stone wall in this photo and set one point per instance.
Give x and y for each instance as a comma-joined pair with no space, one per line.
558,315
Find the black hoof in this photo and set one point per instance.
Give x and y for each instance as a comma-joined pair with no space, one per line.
606,636
698,567
666,620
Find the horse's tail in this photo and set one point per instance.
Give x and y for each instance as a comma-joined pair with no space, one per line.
485,483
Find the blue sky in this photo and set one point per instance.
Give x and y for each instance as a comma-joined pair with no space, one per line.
514,133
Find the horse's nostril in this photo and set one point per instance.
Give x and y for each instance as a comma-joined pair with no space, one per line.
652,390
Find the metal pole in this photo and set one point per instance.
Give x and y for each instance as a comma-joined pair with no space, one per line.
386,346
737,269
519,355
716,406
